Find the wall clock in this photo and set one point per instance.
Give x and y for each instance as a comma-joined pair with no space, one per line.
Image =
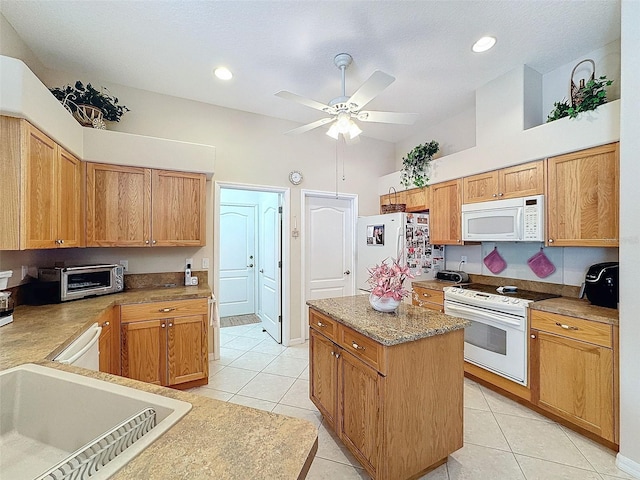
295,177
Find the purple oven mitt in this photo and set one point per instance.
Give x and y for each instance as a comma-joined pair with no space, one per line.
541,265
494,262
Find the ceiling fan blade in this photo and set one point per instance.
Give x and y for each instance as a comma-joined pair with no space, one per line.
375,84
388,117
310,126
305,101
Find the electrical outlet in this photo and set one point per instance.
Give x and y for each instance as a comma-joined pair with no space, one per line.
463,259
188,261
125,265
205,263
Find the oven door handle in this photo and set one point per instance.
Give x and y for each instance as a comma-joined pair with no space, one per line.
470,313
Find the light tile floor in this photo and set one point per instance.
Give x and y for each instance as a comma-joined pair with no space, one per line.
502,439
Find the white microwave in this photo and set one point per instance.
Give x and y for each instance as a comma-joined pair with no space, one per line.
511,220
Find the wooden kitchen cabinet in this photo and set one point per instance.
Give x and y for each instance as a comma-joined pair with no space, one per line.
165,343
137,207
384,401
432,299
416,199
513,182
583,198
572,371
109,342
445,213
45,185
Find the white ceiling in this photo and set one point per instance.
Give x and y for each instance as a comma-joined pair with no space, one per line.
172,46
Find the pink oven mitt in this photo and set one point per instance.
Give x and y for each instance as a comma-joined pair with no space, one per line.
541,265
494,262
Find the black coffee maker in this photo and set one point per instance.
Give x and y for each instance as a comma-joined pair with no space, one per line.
601,284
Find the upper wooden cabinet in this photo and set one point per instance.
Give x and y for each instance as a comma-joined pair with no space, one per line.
416,199
583,198
445,213
512,182
133,206
43,187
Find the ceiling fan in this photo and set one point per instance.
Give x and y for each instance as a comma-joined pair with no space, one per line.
345,110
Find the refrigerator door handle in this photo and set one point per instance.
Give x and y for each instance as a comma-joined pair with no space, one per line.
400,244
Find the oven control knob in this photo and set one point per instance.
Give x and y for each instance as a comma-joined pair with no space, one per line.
515,301
505,300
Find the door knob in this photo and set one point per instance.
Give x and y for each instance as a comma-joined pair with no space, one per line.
348,272
250,265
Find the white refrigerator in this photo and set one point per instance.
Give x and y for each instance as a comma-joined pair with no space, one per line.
397,235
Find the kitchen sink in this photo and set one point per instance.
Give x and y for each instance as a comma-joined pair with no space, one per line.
47,415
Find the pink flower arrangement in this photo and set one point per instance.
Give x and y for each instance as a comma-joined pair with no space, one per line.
387,280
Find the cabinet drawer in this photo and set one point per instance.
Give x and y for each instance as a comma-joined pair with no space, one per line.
156,310
367,350
323,324
427,295
571,327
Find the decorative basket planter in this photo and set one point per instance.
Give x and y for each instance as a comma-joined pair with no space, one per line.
89,116
393,207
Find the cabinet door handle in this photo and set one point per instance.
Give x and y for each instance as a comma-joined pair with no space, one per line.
153,242
171,324
533,336
348,272
426,295
566,327
494,195
262,270
163,325
165,310
321,325
551,240
250,265
333,354
105,324
337,355
356,346
501,194
146,242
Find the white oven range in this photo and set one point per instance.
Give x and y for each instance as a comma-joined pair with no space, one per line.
497,337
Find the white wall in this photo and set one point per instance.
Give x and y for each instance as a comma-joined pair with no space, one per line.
12,45
629,456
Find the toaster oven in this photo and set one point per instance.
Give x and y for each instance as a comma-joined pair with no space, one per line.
61,284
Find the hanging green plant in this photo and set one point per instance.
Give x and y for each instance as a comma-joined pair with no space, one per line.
593,94
414,165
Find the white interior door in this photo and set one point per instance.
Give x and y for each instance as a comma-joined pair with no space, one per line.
269,274
329,247
237,260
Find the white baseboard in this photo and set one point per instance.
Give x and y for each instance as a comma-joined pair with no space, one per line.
296,341
628,466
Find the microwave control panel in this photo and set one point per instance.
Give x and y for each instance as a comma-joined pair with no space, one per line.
533,220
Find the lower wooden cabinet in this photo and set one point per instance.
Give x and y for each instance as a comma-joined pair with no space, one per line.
165,343
428,298
572,371
397,408
109,342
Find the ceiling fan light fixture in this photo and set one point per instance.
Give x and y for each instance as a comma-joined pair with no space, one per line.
344,122
333,131
223,73
354,130
484,44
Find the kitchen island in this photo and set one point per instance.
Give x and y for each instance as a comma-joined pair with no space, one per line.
390,385
214,440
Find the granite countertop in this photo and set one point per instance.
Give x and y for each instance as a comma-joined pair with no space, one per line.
214,440
576,307
434,284
41,332
407,324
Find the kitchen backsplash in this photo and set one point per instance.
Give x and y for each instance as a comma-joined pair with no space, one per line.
571,263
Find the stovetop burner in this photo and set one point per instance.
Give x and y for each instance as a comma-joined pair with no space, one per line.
523,294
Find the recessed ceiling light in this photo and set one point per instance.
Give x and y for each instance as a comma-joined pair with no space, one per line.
223,73
484,44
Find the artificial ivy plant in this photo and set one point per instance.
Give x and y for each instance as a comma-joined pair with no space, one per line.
414,165
593,95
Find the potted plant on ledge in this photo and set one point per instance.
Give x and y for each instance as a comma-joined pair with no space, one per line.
89,106
414,165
